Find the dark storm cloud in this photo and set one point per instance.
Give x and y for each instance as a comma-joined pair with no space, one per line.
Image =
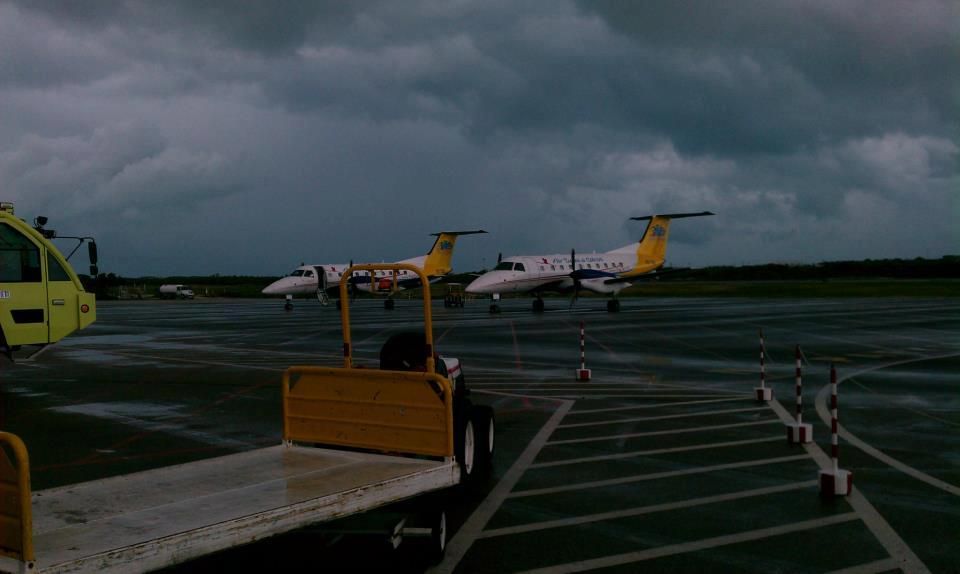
247,136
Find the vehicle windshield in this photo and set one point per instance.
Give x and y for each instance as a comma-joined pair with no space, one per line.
504,266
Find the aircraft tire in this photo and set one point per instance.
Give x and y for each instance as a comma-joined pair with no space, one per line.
494,309
388,304
613,306
538,305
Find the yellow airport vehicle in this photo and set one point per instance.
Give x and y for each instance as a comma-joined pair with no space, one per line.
41,297
454,296
354,439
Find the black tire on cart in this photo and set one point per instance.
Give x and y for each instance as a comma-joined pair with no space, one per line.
438,536
388,304
484,425
465,444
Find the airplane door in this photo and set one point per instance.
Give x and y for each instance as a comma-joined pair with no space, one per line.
23,298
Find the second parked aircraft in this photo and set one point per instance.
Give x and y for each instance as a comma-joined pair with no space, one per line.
607,273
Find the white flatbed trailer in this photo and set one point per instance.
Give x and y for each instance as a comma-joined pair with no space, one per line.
353,440
158,518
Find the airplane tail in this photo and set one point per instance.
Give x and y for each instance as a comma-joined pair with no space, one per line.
652,247
438,260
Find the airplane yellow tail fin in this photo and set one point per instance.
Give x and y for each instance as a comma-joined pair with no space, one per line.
652,248
439,259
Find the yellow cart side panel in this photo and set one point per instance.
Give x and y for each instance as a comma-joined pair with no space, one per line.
390,411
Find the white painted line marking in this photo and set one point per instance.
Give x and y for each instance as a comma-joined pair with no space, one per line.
655,476
471,529
871,568
821,404
664,432
637,396
632,454
881,529
691,503
662,417
657,406
685,547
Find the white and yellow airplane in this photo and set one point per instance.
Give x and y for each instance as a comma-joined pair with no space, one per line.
607,273
323,280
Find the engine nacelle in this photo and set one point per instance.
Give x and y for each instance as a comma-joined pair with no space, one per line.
599,285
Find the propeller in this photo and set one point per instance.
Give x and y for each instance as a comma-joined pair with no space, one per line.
576,281
499,257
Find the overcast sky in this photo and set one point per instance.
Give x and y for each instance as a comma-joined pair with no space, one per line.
243,137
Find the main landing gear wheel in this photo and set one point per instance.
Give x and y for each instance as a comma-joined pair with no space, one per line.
494,309
613,306
538,305
388,304
338,304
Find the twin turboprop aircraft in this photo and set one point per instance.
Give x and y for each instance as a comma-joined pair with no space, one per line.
605,273
324,280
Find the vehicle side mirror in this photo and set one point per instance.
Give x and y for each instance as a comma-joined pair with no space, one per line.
92,252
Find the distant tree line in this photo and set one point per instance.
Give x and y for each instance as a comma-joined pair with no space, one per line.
110,285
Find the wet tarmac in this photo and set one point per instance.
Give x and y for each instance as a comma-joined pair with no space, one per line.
663,462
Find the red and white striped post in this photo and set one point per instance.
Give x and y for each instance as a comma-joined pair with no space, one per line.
799,433
763,392
583,373
835,482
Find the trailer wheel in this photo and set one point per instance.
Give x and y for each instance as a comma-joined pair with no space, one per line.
485,427
438,536
468,450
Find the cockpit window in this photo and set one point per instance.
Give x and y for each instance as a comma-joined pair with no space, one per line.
503,266
519,267
308,274
297,273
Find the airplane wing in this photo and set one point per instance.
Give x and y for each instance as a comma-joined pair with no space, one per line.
646,276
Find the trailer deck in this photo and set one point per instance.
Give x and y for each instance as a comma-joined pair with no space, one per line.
165,516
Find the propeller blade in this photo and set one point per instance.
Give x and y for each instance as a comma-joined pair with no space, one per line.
351,285
499,257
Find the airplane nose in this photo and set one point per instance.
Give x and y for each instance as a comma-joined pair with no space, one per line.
479,285
275,288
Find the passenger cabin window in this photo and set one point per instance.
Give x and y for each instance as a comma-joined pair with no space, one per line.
55,271
19,257
519,267
503,266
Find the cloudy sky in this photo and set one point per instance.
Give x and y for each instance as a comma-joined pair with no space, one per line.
243,137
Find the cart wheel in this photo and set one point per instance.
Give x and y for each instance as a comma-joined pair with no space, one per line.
466,453
438,536
485,427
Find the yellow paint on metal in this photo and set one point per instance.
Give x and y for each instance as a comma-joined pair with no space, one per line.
345,306
391,411
16,519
